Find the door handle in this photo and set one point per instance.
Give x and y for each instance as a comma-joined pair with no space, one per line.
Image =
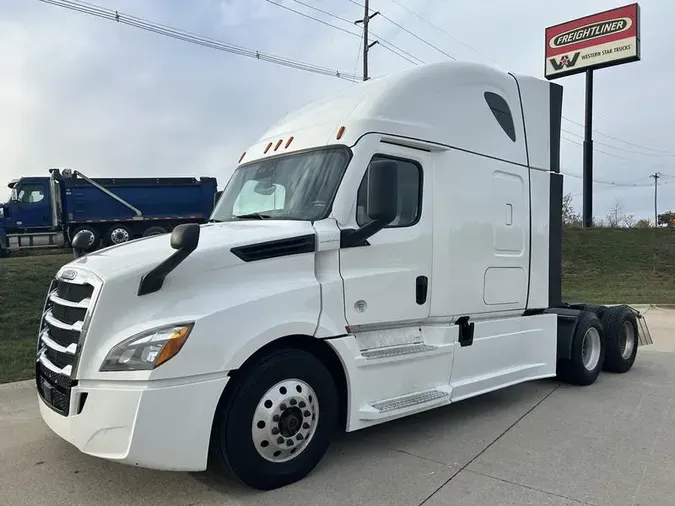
421,289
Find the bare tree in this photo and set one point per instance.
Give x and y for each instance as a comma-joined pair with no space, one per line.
616,215
570,217
629,221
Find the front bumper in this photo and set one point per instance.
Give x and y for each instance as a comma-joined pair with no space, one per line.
165,426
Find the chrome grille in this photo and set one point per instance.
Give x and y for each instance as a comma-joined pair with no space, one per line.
65,318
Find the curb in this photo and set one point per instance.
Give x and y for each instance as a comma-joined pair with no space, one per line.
15,385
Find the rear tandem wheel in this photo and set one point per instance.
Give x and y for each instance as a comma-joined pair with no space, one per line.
587,351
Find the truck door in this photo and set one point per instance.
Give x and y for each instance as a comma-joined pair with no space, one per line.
389,280
30,206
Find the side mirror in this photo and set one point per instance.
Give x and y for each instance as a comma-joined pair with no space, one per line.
81,243
185,237
383,191
382,203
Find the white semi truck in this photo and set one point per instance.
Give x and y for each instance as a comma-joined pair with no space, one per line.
389,250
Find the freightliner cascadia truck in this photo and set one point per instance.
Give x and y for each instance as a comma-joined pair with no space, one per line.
385,251
47,211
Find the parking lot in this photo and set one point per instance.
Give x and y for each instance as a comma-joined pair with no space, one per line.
540,443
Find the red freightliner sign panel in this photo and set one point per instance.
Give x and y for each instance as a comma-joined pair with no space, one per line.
596,41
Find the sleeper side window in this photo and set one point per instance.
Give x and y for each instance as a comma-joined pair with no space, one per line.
502,113
409,194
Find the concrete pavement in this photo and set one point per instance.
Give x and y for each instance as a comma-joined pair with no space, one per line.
539,443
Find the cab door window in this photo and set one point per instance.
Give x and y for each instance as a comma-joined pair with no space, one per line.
30,193
409,194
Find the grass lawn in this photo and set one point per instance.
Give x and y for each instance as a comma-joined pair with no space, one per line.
600,265
23,286
611,266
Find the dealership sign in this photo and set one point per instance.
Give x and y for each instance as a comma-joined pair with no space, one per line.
600,40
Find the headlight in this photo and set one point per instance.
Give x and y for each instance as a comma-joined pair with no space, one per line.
147,350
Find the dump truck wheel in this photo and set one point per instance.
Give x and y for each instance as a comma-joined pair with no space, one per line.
621,329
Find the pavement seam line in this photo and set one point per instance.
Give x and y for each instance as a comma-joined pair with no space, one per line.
515,483
536,405
424,458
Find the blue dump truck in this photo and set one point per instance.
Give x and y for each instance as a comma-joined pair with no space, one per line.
47,212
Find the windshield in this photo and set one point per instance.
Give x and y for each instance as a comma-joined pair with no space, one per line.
294,187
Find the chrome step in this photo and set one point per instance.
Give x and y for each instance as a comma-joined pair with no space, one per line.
396,351
407,403
375,356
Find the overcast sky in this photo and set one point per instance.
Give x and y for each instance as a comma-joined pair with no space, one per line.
112,100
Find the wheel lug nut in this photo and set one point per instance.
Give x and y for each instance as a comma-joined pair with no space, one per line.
307,413
283,407
275,418
305,425
299,437
302,404
289,442
275,430
293,402
280,440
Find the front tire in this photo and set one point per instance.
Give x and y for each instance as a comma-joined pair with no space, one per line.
587,353
275,425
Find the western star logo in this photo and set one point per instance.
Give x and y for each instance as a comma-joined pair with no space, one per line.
591,31
565,61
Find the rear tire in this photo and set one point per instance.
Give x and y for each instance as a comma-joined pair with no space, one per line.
588,351
154,230
118,234
95,239
596,308
276,423
621,328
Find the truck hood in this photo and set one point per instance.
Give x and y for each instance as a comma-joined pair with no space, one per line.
213,251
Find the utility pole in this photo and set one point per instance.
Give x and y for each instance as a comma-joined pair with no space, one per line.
656,178
588,154
366,45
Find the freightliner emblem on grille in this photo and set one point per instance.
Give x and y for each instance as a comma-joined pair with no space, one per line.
69,274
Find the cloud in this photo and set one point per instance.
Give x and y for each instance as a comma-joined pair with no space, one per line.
109,99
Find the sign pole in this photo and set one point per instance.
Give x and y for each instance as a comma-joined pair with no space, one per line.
588,153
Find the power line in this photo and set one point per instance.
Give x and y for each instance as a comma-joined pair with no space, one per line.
408,31
610,183
186,36
617,147
389,46
669,153
312,17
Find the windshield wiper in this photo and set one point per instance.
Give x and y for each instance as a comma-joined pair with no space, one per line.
253,216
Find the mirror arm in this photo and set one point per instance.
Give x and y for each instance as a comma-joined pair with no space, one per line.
184,239
352,238
152,281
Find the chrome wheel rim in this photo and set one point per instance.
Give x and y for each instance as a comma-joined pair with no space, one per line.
590,348
627,340
119,235
285,420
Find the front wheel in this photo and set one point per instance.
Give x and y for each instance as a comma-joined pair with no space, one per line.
277,422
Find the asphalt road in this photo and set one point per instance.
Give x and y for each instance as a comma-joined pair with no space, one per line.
540,443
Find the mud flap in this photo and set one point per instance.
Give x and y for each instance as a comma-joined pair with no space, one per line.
644,336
